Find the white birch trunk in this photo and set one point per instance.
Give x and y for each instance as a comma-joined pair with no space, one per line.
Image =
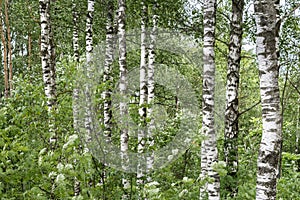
4,54
107,77
232,87
143,99
89,50
209,152
48,65
123,92
9,45
268,24
151,62
75,31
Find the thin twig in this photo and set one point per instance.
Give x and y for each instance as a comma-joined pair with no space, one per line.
294,86
249,108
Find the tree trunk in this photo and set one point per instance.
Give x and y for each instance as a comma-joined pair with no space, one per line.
29,49
297,150
268,24
89,50
48,66
232,87
107,77
4,45
143,99
9,48
123,92
151,62
89,30
75,32
209,152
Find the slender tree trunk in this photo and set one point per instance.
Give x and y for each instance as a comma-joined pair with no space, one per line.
4,45
151,62
297,150
266,16
29,49
123,91
232,87
143,100
107,77
89,50
48,67
209,152
9,48
46,52
89,30
75,31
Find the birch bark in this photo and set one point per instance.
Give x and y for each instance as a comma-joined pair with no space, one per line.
4,56
89,50
10,64
232,87
143,98
267,35
209,152
123,91
48,66
107,77
151,82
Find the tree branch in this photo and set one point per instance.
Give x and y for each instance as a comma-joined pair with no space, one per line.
294,86
249,108
290,13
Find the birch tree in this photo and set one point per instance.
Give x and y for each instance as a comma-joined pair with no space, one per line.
75,31
209,152
123,89
232,87
143,96
107,76
150,97
89,50
4,55
267,36
47,66
9,60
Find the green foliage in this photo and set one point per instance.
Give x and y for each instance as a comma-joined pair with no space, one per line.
29,170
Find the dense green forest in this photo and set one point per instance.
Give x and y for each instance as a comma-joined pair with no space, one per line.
150,99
